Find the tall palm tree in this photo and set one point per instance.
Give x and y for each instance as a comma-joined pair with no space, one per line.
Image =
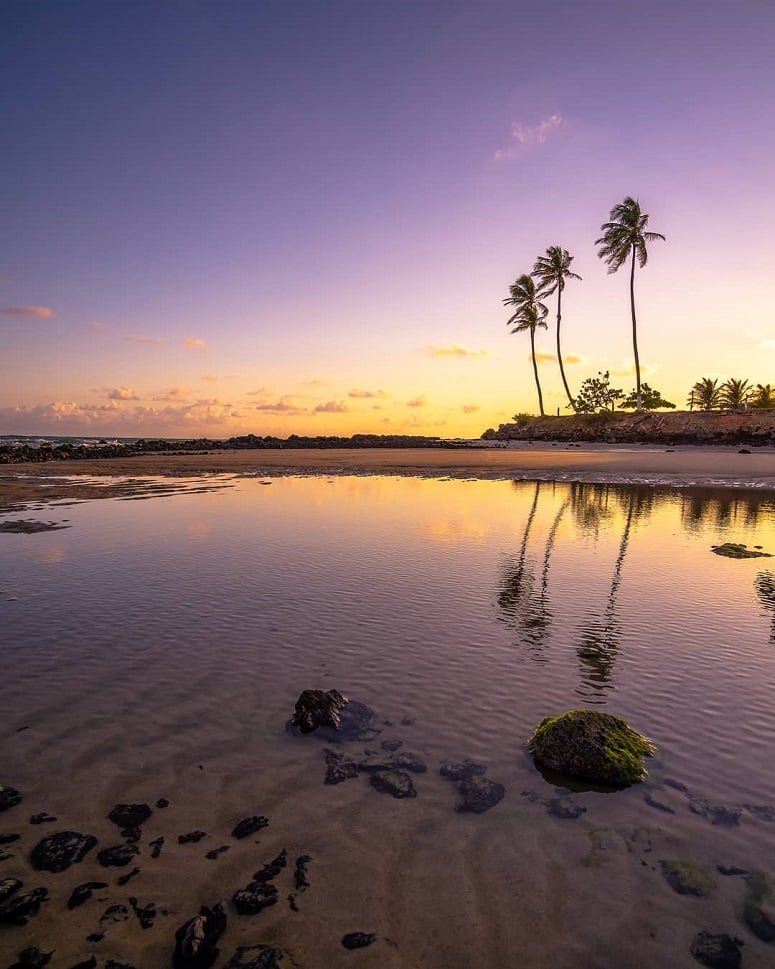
551,271
706,393
623,235
736,393
529,314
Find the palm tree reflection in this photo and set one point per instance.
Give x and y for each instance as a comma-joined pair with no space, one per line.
764,584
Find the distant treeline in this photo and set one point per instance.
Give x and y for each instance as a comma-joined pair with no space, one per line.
22,453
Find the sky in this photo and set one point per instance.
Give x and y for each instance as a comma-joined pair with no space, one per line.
231,217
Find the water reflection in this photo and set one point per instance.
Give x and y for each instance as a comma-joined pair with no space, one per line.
765,590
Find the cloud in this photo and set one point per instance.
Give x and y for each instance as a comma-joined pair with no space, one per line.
285,406
525,138
572,359
192,344
470,408
315,382
138,338
178,392
628,370
543,356
99,327
261,392
767,344
35,312
453,352
420,401
366,394
332,407
121,393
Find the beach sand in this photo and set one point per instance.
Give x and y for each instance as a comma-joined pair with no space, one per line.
21,484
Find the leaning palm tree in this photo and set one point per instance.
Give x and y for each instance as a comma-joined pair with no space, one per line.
706,393
529,314
551,271
624,234
736,393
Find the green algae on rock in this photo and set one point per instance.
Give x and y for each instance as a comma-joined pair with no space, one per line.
759,907
734,550
687,879
592,745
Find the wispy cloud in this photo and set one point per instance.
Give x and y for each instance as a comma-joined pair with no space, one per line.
139,338
420,401
121,393
34,312
260,392
542,356
286,406
332,407
99,327
366,394
453,352
470,408
315,382
176,393
572,359
193,344
628,370
113,416
525,138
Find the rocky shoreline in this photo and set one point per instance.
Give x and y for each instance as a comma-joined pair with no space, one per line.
754,428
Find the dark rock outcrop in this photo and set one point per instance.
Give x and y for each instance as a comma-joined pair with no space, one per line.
479,794
395,782
196,941
130,815
358,940
254,897
318,708
248,826
18,909
732,550
58,851
716,951
117,856
82,893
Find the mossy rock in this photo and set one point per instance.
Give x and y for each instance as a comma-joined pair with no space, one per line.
759,906
687,879
733,550
592,745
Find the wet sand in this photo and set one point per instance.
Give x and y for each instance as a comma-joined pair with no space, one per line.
682,466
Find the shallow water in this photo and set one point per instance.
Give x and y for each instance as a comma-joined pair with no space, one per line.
157,648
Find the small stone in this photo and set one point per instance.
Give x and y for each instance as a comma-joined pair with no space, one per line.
461,771
87,964
145,913
42,818
273,869
318,708
358,940
162,803
762,812
117,856
196,940
676,785
58,851
32,958
191,838
261,957
735,550
18,909
716,951
114,914
248,826
337,768
564,808
731,870
125,878
254,897
156,846
112,964
479,794
129,815
8,886
216,852
402,761
687,879
300,872
395,782
6,839
759,906
131,834
83,893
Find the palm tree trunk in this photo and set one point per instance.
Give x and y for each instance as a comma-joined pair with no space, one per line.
535,370
638,398
559,352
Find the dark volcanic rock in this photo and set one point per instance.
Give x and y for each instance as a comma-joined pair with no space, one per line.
18,909
732,870
156,846
395,782
318,708
87,964
114,914
112,964
162,803
32,958
261,957
196,941
337,768
117,856
273,869
353,720
6,839
255,896
300,872
216,852
403,760
358,940
124,879
42,818
248,826
731,550
129,815
191,838
131,834
461,771
83,893
592,745
58,851
145,913
8,886
9,797
716,951
479,794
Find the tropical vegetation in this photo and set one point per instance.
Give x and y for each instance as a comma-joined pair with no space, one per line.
529,314
551,270
735,393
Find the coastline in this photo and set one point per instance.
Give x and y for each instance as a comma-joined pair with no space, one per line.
682,466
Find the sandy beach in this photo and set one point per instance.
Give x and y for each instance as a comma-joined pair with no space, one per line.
682,467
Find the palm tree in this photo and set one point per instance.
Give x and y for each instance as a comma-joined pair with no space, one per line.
736,393
765,396
551,271
706,393
530,313
624,234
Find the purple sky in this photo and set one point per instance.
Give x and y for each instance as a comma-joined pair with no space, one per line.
331,199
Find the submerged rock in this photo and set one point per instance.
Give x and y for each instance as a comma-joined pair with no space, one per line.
716,951
565,809
191,837
18,909
156,845
334,721
716,813
479,794
9,797
395,782
82,893
300,872
8,886
461,771
338,769
358,940
592,745
401,761
248,826
117,856
58,851
733,550
146,914
262,957
318,708
687,879
130,815
273,869
43,818
759,906
196,941
254,897
32,958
